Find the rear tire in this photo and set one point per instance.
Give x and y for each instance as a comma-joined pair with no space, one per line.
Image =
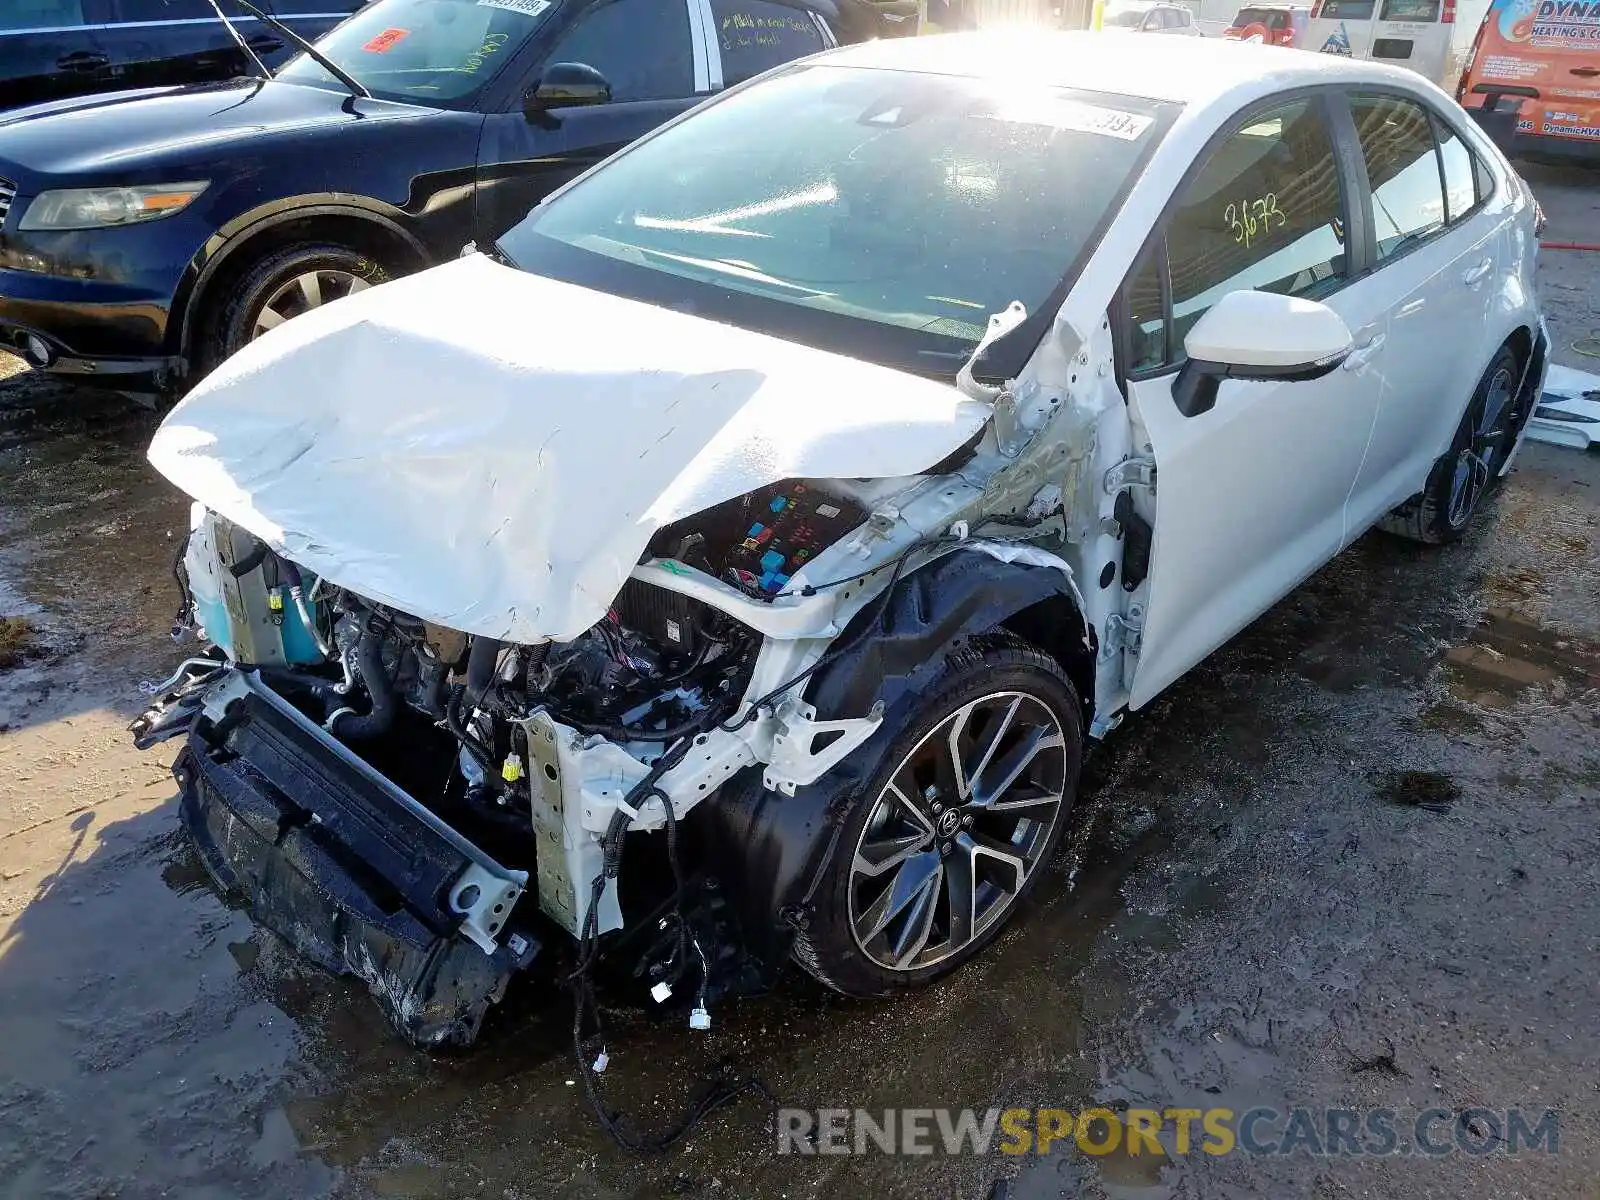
1468,471
283,285
950,834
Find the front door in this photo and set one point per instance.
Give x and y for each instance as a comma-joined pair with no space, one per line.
1249,496
654,58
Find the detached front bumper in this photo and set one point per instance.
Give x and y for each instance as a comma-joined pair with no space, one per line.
328,857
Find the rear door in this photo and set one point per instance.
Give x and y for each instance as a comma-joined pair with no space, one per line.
1437,258
1249,496
158,43
49,49
656,57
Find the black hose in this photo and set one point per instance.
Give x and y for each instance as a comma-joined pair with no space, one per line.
480,667
380,688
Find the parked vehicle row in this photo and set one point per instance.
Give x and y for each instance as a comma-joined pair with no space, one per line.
707,515
147,235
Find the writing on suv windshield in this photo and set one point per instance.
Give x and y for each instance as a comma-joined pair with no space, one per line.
919,203
443,51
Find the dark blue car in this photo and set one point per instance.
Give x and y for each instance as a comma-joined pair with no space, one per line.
145,236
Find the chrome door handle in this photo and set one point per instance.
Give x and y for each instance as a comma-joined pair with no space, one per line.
1363,353
1473,276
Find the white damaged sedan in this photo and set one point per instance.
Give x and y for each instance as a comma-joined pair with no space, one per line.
788,499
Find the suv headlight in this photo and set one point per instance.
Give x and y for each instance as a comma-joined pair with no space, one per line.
96,208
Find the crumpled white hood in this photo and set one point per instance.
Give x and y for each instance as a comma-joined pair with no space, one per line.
492,451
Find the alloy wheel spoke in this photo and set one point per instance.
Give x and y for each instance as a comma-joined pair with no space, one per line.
270,318
884,854
903,790
357,284
961,892
1001,856
916,876
1025,801
1010,768
918,926
310,286
1001,728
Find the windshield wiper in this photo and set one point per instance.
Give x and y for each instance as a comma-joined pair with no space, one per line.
249,51
322,60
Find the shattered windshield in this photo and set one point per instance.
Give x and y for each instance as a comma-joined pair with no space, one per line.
915,202
443,51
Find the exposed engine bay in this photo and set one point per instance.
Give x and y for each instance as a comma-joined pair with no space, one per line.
477,737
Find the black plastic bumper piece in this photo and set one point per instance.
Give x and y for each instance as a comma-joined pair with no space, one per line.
353,882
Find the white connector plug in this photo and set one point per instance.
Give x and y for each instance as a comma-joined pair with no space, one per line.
699,1018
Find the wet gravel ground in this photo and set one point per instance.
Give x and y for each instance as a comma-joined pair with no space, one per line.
1352,861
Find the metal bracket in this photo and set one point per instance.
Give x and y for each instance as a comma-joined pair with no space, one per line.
1129,473
794,762
1008,434
484,902
1121,634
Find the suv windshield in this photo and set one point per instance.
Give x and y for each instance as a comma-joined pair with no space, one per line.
438,51
1127,18
1272,18
879,213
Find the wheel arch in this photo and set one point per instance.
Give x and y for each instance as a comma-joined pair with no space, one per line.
245,239
774,847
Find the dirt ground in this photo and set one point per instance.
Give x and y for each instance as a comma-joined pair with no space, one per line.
1353,860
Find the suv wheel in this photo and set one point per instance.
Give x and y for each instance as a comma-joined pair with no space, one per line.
951,832
287,283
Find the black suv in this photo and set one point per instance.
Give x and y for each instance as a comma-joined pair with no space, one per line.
55,48
146,236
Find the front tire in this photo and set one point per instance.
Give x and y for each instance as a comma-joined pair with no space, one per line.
285,284
951,833
1467,472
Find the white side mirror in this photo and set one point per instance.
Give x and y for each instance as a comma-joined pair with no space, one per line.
1258,335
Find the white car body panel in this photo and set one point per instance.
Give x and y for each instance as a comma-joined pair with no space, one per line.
493,420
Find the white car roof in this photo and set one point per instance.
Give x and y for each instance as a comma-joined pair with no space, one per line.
1189,71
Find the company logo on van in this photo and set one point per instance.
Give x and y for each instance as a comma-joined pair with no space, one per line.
1338,42
1550,22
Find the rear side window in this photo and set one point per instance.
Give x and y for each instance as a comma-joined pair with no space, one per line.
1410,10
1460,168
642,47
755,36
1346,10
1402,171
1266,212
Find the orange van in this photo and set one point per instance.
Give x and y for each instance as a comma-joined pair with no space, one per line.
1533,77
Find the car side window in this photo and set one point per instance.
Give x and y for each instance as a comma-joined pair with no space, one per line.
1460,168
1265,211
40,14
1147,312
755,35
642,47
1402,171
